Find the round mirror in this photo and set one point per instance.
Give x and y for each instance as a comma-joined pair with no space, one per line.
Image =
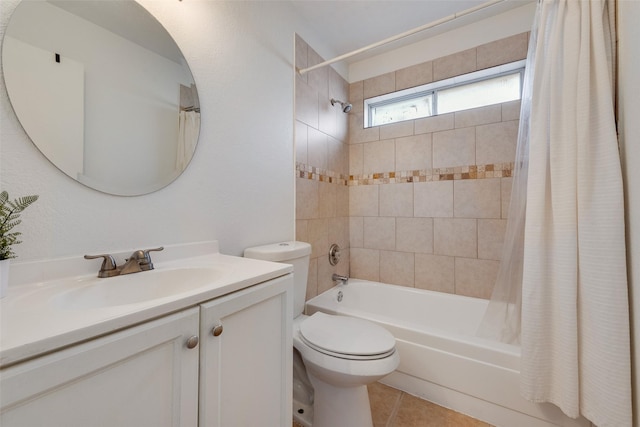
103,91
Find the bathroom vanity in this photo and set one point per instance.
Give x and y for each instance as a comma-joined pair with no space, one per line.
217,353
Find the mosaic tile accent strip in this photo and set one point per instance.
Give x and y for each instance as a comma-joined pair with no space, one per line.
495,170
319,174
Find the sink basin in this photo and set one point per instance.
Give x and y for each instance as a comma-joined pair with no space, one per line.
135,288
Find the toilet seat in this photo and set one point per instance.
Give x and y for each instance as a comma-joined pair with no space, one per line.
346,337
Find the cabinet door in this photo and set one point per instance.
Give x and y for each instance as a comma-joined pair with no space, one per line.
246,369
141,376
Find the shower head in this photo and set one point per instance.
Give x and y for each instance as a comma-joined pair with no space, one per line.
346,107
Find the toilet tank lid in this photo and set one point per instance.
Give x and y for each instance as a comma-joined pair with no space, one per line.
279,251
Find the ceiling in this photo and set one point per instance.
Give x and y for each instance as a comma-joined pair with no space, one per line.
347,25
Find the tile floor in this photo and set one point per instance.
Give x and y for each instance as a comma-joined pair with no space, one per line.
394,408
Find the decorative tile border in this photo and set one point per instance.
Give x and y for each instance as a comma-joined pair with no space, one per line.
494,170
319,174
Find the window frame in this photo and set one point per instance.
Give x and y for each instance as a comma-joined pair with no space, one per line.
434,87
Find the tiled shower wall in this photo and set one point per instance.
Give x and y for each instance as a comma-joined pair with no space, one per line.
428,198
322,195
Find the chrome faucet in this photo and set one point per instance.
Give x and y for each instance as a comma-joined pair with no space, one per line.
139,260
340,278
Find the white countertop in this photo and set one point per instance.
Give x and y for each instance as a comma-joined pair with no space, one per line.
31,323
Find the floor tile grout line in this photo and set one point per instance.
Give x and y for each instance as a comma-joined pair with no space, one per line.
392,417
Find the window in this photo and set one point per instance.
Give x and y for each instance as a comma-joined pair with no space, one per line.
491,86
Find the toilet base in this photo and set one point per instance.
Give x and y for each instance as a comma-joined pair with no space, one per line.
340,406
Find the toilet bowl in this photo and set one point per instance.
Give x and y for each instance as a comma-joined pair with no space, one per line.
341,354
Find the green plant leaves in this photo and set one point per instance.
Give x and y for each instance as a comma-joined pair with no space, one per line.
9,213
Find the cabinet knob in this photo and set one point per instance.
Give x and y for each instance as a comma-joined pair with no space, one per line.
192,342
217,330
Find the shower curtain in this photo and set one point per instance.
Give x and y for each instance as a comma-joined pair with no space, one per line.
574,335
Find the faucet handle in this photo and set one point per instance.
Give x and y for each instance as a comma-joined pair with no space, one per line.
145,262
108,267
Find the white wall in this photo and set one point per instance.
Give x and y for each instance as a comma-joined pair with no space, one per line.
629,129
239,187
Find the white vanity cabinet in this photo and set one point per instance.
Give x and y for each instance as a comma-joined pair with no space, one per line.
246,357
172,371
142,376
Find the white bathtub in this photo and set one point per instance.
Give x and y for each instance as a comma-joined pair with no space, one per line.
441,359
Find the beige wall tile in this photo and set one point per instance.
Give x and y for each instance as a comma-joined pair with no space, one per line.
318,78
478,116
327,116
356,92
505,194
325,271
491,238
454,65
339,232
342,201
317,148
396,200
356,232
477,198
413,152
312,279
496,143
476,277
301,230
510,111
433,199
306,103
380,233
434,123
327,200
306,198
396,268
365,264
455,237
414,235
363,200
318,234
414,76
301,53
343,265
502,51
337,156
454,148
356,159
379,85
396,130
301,143
379,156
435,272
357,132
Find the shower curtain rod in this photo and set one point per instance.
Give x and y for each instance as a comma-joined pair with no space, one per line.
402,35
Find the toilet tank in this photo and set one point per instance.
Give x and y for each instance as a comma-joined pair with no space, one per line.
294,253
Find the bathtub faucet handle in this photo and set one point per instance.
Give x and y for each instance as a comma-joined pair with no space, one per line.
340,278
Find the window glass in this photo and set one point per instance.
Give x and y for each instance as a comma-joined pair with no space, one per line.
485,87
478,94
408,109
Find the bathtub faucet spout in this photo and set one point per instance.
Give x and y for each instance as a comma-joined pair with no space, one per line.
339,278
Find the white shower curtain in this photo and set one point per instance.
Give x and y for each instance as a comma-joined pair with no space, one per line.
575,318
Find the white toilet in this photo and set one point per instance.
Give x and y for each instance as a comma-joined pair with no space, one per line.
341,354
